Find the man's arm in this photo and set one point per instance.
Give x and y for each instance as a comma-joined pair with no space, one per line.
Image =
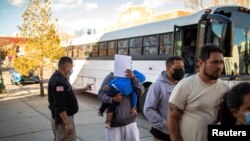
59,94
173,119
67,123
150,108
102,96
88,87
138,88
102,92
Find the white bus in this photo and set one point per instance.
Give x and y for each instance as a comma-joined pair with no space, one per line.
151,44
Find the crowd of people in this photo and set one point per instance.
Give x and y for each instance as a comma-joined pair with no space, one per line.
173,104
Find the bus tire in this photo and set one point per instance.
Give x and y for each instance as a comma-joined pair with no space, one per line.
143,96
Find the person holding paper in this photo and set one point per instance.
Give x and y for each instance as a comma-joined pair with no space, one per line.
123,126
124,86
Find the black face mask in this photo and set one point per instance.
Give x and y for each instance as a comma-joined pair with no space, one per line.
178,74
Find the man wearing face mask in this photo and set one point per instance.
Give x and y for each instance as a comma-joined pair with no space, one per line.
194,101
62,101
156,102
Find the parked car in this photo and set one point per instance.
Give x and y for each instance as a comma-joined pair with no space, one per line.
17,78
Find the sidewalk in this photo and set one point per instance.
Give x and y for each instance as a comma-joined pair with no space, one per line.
25,116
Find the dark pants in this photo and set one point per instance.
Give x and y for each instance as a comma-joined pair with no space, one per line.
110,107
159,135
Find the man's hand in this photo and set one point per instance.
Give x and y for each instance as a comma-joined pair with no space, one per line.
105,88
68,128
117,98
67,123
129,74
88,87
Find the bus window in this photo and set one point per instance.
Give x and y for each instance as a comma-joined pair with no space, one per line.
150,45
123,47
87,53
103,49
166,43
87,47
94,51
189,37
177,40
81,51
111,48
135,46
86,50
66,50
241,41
71,53
75,52
216,33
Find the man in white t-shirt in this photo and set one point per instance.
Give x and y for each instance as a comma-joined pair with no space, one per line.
195,99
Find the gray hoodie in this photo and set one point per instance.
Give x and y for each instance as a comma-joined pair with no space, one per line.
122,115
156,102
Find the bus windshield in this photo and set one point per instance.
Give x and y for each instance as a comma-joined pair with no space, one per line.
241,50
216,33
239,62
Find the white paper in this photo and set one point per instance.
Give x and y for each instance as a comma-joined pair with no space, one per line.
122,62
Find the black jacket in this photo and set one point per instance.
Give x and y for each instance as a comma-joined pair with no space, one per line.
61,97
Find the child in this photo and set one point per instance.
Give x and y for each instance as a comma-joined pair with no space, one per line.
124,86
235,108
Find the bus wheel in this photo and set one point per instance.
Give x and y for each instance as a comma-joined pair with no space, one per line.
143,96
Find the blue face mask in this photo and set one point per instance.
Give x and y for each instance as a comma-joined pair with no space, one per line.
247,118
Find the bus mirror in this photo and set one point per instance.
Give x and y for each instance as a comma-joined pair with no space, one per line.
227,40
208,11
227,51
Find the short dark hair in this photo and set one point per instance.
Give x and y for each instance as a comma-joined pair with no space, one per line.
236,96
170,60
64,60
232,99
207,49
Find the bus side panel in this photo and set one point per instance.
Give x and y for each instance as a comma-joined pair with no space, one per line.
94,71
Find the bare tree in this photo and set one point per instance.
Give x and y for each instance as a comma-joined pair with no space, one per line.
202,4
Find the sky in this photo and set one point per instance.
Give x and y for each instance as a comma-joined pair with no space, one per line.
74,15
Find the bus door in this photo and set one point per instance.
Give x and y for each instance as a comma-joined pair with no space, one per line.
216,29
185,45
178,35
